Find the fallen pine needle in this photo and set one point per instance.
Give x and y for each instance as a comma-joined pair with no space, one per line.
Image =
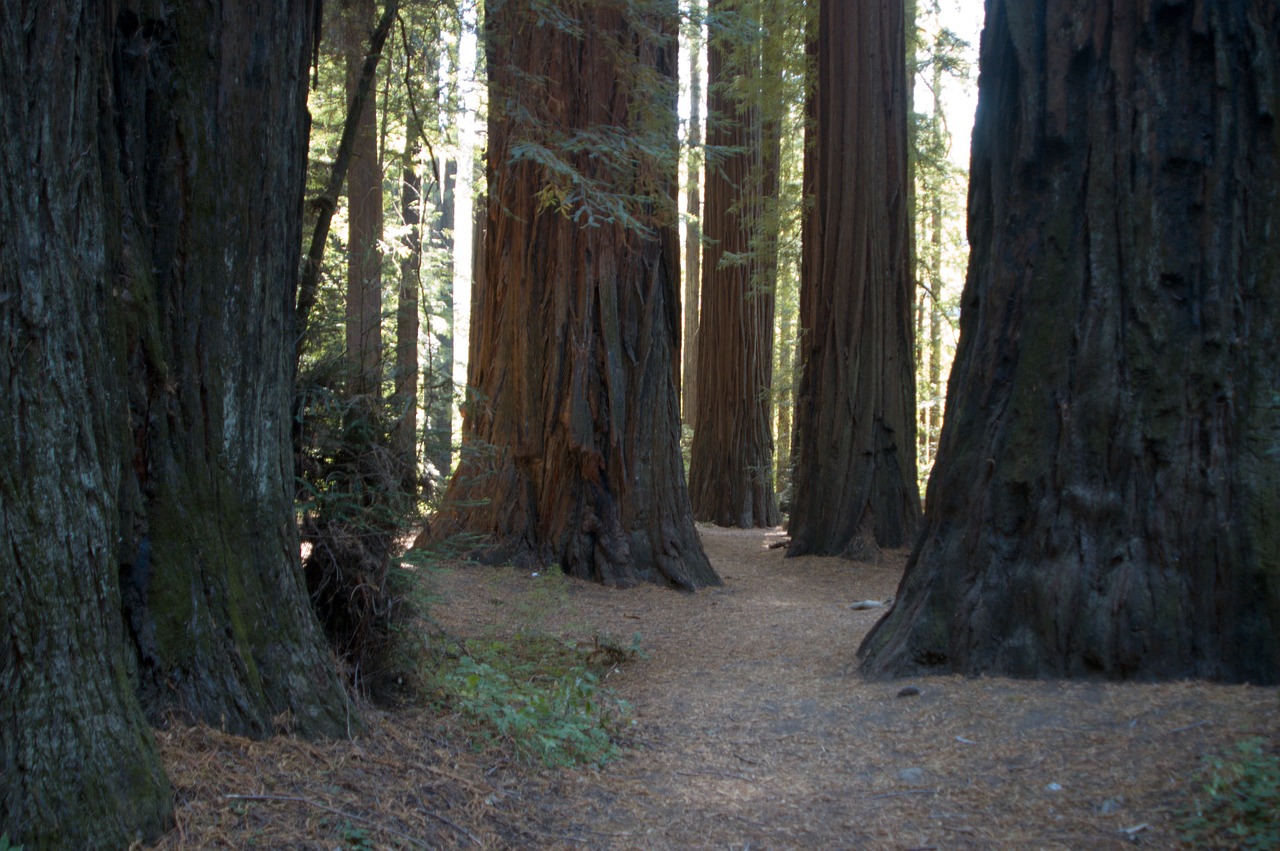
337,812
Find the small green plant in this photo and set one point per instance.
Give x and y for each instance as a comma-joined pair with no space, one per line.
5,844
539,696
1240,800
355,838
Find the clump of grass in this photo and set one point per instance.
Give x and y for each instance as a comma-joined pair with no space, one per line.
1240,800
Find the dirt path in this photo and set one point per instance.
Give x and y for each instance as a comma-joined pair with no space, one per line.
755,731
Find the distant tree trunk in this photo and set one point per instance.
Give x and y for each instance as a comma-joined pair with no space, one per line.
404,436
364,220
693,231
573,438
855,473
784,367
731,464
327,203
440,389
1107,485
150,198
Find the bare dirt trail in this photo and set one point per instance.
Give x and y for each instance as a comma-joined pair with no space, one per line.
755,731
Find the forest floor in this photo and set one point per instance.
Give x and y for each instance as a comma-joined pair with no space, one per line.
752,730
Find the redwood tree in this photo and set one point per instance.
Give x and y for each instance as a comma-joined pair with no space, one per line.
151,168
731,461
1107,484
572,448
855,475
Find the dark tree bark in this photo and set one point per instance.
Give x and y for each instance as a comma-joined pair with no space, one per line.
573,438
364,219
211,125
78,765
1107,483
152,167
731,462
855,473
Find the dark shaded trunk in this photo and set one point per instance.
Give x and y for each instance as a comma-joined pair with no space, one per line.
152,170
212,146
855,473
78,765
731,462
1107,485
573,437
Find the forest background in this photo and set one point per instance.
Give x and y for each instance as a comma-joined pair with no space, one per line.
1120,491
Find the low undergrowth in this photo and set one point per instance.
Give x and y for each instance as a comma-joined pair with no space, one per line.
542,697
1240,800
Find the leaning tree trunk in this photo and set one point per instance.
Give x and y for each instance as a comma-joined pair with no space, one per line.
1107,484
731,461
78,765
364,219
572,437
855,476
210,145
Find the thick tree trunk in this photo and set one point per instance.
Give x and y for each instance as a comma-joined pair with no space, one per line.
364,220
78,766
855,473
731,463
573,438
1107,484
151,176
210,119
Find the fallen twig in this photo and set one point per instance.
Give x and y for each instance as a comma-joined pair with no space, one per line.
337,812
435,815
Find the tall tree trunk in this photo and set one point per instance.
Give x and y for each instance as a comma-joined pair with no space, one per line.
573,439
856,484
327,203
78,765
149,548
212,145
1107,484
404,436
440,389
364,219
785,355
731,464
693,232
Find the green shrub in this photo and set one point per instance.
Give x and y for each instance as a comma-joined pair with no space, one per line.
1240,802
539,696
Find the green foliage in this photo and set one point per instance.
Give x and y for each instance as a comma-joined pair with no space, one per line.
1240,802
355,838
5,844
354,506
540,696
